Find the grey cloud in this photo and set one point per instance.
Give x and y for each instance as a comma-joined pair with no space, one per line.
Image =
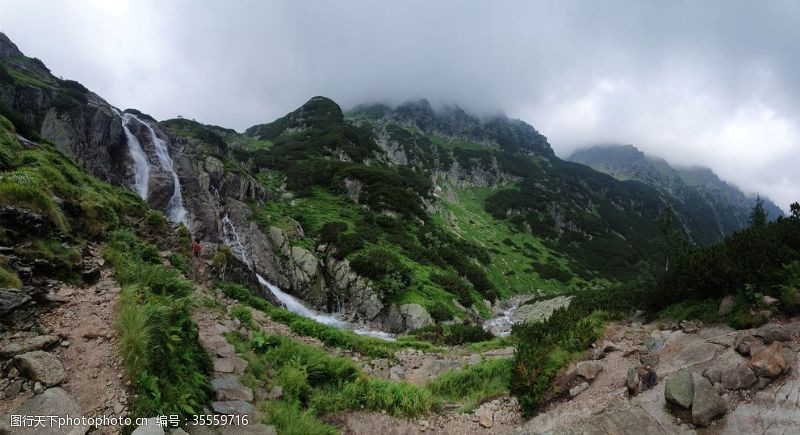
712,82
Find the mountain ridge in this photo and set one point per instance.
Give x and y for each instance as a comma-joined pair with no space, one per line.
729,206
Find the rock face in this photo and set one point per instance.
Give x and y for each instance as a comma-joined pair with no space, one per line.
40,366
53,401
679,389
707,404
769,362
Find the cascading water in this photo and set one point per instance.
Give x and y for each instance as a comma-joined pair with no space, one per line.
231,238
294,305
177,212
141,167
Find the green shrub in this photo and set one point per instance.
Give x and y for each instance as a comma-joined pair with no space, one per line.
790,299
234,291
294,380
243,314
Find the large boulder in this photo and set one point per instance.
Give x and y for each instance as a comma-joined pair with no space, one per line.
588,369
769,362
746,343
772,333
40,366
416,316
679,388
707,404
53,401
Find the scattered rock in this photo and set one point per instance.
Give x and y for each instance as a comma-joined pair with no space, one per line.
588,369
737,378
649,359
769,362
744,341
41,366
725,306
37,388
24,345
275,393
632,380
485,417
707,404
53,401
578,389
691,326
679,388
231,389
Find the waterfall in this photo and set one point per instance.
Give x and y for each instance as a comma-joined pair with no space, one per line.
294,305
177,212
231,238
141,167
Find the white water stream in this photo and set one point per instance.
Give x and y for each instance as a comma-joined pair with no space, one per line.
231,238
141,167
294,305
176,211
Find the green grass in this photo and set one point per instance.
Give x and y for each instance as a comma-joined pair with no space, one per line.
705,310
289,419
316,383
517,257
474,384
8,278
159,341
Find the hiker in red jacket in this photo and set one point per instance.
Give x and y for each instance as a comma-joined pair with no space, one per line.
197,248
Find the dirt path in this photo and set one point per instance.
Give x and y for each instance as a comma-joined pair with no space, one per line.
88,351
74,332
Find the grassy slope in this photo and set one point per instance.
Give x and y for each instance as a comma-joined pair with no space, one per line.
515,255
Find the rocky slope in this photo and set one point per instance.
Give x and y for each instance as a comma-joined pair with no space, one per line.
710,207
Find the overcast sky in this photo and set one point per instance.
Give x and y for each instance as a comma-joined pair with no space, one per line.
714,83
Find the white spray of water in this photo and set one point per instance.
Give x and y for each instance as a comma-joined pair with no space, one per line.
141,167
294,305
175,209
231,238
